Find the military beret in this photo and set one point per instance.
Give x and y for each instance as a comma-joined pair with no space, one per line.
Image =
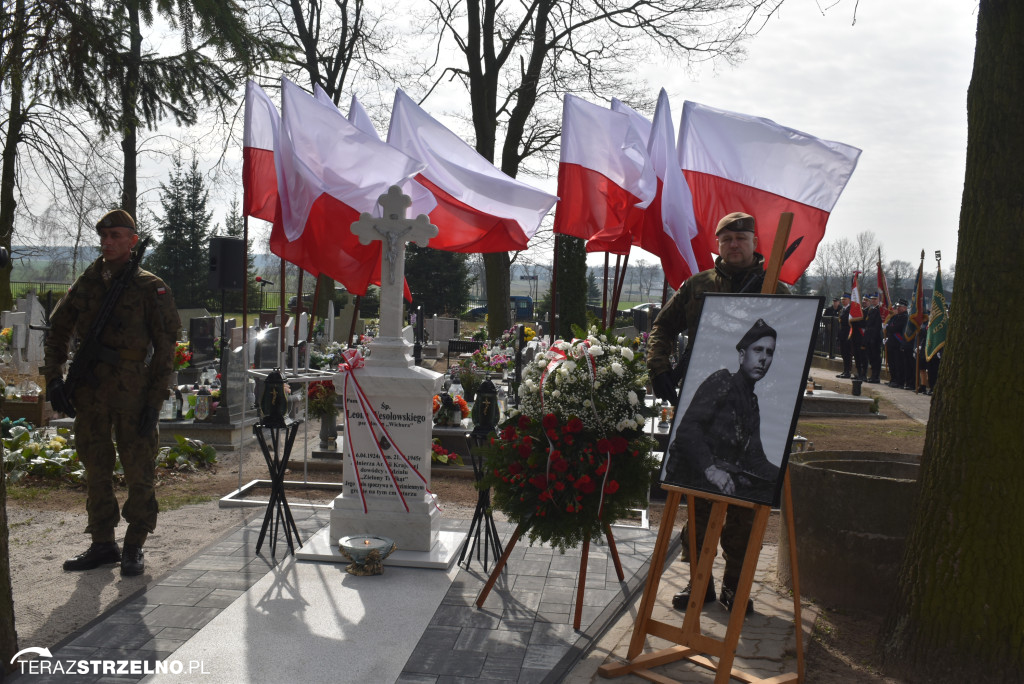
736,221
846,295
757,331
835,299
119,218
873,295
901,302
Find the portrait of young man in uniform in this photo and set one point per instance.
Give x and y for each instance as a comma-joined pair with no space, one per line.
738,403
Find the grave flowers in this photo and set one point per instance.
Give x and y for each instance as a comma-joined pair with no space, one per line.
182,356
574,457
449,409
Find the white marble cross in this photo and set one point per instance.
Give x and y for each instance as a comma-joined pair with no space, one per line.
393,230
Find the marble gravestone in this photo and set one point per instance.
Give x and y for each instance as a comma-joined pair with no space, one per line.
401,395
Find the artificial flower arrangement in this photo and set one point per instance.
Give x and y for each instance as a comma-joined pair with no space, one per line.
329,356
574,456
321,396
438,454
449,410
6,337
182,356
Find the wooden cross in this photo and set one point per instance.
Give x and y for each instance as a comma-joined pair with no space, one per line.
393,230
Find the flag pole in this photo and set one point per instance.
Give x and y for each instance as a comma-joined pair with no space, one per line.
554,293
604,291
245,279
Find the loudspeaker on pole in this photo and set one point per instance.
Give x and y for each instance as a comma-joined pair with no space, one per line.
227,263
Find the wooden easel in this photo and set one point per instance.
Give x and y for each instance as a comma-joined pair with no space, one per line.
522,527
691,644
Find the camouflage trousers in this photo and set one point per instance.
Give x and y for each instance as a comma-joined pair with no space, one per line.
97,426
735,535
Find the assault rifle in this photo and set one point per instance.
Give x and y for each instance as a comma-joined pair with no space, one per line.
90,350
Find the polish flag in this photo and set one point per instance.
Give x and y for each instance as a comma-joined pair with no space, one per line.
479,208
604,170
330,172
666,227
259,141
736,162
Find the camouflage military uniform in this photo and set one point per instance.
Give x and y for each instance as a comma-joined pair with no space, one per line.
144,326
680,315
722,427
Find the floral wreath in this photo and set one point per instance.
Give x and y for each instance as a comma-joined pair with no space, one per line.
574,457
449,409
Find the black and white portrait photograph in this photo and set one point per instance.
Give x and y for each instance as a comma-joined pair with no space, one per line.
741,394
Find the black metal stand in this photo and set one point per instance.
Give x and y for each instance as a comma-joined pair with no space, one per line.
482,518
278,514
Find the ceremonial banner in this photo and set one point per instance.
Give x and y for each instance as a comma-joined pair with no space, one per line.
917,316
884,302
938,320
856,312
737,162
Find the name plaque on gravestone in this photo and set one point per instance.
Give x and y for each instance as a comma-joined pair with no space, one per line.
405,421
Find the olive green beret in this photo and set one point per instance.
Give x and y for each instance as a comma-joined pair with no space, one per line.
736,221
119,218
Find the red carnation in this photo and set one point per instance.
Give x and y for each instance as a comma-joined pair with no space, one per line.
560,465
619,444
539,481
524,451
611,487
549,421
604,445
574,425
508,434
515,468
524,422
585,485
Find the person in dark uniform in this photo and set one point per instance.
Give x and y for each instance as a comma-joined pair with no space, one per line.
845,348
717,445
858,345
127,387
894,344
832,326
873,338
738,268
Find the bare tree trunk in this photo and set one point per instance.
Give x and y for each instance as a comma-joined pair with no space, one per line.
130,121
498,265
957,616
15,121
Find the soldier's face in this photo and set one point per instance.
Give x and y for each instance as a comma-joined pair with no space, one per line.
756,359
737,247
116,244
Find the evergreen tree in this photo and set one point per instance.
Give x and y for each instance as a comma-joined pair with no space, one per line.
439,281
183,252
571,295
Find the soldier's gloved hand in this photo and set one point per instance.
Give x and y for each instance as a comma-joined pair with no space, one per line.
148,420
664,388
58,397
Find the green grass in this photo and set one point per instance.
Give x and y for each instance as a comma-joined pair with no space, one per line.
176,501
19,492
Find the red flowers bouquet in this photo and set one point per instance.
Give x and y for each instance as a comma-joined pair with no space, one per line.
320,396
576,457
182,356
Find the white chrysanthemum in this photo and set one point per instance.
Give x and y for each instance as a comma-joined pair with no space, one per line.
556,394
632,398
618,369
569,366
627,353
562,344
596,351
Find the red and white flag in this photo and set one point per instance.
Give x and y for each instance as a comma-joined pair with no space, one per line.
667,226
479,208
603,172
856,311
259,141
329,172
884,301
736,162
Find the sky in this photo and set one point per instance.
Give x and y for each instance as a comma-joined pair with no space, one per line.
892,83
889,78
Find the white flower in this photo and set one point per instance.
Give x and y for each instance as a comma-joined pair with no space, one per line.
569,366
632,398
587,403
618,369
627,353
596,351
556,394
562,344
620,340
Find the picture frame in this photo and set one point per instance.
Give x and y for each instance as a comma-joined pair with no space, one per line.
741,395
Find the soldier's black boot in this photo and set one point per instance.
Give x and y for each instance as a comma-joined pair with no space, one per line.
98,553
132,561
681,600
728,597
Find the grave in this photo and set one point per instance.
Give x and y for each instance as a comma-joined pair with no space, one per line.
387,476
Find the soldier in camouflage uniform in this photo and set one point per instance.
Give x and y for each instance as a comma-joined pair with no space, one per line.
717,446
738,268
123,396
